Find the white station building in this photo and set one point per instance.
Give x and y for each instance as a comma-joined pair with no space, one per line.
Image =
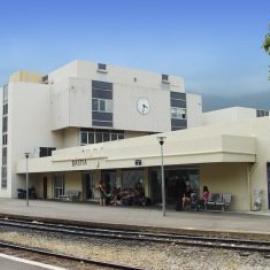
88,122
84,103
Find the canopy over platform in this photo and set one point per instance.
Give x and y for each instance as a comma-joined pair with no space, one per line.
179,149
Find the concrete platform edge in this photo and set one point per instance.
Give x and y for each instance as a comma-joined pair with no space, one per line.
144,228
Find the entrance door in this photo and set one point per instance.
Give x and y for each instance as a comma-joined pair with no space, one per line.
45,186
89,187
59,186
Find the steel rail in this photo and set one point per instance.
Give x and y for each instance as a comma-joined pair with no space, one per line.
210,242
68,257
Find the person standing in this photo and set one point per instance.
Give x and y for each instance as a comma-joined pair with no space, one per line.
102,191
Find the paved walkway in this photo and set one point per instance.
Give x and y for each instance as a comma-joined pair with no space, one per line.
217,221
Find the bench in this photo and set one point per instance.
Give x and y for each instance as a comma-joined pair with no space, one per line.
220,201
71,195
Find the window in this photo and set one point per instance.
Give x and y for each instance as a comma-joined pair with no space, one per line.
106,136
5,123
4,177
178,113
5,139
59,186
101,105
165,77
120,136
95,104
83,137
262,113
99,137
5,109
102,67
4,156
114,136
46,151
91,138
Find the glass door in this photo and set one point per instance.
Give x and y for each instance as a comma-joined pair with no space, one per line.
59,186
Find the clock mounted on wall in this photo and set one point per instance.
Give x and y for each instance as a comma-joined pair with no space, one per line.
143,106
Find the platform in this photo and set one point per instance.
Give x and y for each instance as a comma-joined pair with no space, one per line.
8,262
201,221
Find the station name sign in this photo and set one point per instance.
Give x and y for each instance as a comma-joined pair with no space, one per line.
78,162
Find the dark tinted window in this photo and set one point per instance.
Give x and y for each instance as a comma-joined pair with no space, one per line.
83,137
165,77
99,137
102,66
106,136
4,124
94,104
91,137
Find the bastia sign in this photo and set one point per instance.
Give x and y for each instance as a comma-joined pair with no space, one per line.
78,162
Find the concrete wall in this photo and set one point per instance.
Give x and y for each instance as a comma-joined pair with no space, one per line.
28,126
231,178
232,114
25,76
194,110
116,74
71,137
72,97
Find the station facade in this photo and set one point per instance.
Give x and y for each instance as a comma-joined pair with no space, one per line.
84,103
88,122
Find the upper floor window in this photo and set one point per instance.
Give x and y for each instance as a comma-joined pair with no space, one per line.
46,151
178,113
5,109
102,67
165,78
102,105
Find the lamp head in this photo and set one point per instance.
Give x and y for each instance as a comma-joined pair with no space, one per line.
26,155
161,139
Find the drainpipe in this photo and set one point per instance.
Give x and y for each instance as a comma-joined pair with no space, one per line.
249,186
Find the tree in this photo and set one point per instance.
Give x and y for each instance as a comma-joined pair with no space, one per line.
266,44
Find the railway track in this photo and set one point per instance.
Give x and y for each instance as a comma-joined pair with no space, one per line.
82,231
43,252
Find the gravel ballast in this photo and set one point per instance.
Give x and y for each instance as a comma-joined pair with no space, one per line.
142,254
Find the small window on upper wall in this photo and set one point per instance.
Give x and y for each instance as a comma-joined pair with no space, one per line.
165,78
102,67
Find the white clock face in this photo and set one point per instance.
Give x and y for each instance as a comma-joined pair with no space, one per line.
143,106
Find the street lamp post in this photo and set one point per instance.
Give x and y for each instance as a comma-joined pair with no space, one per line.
27,178
161,140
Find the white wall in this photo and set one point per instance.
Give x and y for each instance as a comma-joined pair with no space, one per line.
194,110
228,115
116,74
72,97
29,125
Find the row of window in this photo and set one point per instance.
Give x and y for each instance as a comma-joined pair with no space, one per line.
91,137
4,138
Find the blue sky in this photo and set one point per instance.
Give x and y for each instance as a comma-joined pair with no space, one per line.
214,45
